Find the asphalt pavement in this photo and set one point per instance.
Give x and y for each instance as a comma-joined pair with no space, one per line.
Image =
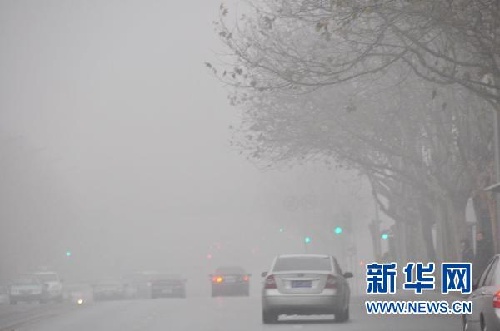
198,313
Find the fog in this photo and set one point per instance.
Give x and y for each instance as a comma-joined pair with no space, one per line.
115,148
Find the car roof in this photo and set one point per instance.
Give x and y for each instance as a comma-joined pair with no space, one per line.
303,256
25,276
147,272
168,275
109,281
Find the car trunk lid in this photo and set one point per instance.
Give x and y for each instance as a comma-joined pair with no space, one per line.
301,282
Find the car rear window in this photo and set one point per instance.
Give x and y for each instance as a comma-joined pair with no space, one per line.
303,263
47,277
26,280
229,270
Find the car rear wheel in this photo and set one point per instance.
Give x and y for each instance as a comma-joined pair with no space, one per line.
269,317
342,315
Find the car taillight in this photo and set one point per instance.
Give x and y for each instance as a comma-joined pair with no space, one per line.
270,282
496,300
246,278
217,279
331,282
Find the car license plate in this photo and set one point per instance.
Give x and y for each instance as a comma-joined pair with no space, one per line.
301,284
230,279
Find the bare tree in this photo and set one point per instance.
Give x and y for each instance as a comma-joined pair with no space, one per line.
306,44
398,121
419,156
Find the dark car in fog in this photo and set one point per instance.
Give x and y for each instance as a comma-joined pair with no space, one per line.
108,289
485,299
305,284
230,280
138,284
168,286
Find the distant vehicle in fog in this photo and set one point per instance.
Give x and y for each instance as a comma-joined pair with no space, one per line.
485,299
78,293
27,288
230,280
138,284
168,286
53,289
4,294
305,284
108,289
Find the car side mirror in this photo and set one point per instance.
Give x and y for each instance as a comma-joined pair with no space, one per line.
263,274
347,275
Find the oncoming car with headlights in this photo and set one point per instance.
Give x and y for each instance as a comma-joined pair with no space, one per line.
305,284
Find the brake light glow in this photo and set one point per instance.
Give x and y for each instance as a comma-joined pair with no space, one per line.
246,278
270,282
496,300
217,279
331,282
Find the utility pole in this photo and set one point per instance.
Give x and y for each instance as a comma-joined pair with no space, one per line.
496,222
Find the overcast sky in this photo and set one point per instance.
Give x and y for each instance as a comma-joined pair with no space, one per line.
115,144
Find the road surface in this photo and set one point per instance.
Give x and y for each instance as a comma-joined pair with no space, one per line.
197,314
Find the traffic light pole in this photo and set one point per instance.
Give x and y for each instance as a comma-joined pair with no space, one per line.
375,232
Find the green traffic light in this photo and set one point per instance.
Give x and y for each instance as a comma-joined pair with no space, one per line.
68,253
281,230
385,236
307,240
338,230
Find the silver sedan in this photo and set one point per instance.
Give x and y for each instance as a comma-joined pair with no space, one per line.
305,284
485,299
